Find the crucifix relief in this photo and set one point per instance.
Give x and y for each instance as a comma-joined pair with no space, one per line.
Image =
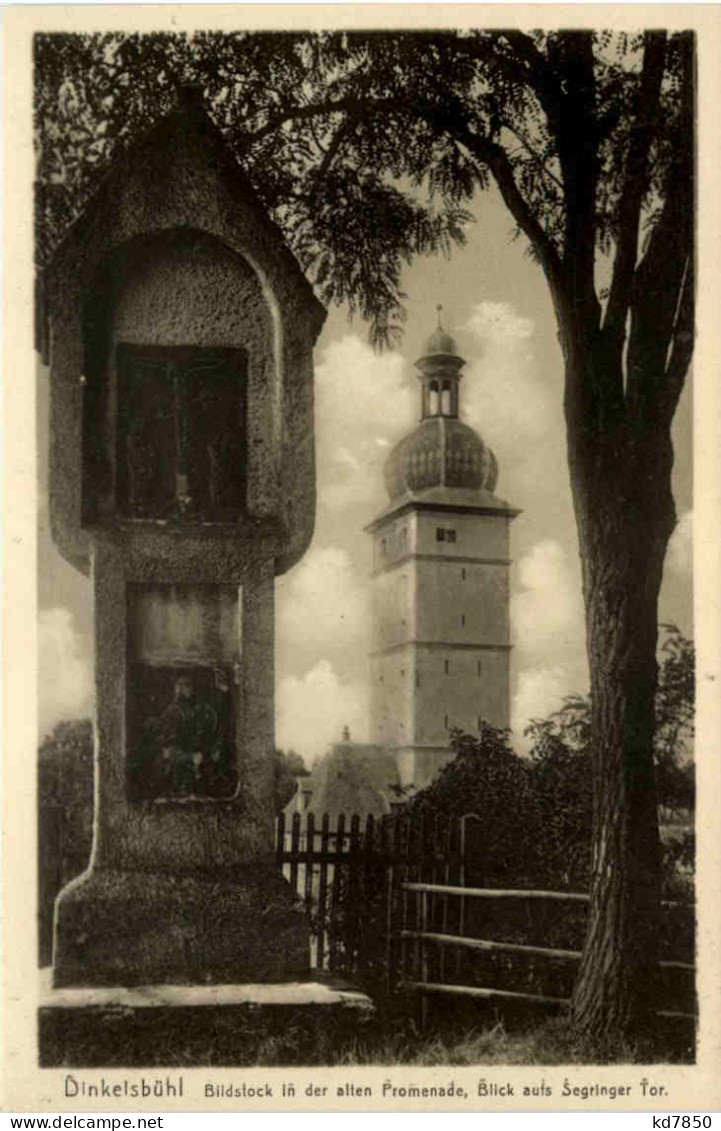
181,433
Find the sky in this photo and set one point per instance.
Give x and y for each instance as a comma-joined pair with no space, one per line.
496,304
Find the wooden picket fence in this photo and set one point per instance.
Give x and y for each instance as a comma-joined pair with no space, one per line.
397,903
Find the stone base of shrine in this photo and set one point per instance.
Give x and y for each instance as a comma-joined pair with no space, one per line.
186,1026
126,929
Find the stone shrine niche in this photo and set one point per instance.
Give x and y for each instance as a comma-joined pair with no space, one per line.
181,733
177,343
181,431
180,332
182,707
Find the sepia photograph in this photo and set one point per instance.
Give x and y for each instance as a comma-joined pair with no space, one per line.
366,626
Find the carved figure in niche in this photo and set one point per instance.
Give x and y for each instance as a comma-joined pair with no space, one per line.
181,433
141,468
221,486
149,446
187,750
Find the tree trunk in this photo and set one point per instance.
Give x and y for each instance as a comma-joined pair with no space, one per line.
620,461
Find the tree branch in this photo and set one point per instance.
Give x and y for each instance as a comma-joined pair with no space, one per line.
482,149
347,128
682,344
660,294
538,73
349,105
493,155
532,153
578,155
635,184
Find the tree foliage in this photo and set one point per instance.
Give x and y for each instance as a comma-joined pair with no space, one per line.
368,147
536,812
488,779
65,770
288,768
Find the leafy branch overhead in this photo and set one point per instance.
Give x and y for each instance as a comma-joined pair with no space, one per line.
368,148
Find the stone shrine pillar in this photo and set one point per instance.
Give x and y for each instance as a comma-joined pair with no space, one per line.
180,331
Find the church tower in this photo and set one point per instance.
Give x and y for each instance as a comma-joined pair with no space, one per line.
440,652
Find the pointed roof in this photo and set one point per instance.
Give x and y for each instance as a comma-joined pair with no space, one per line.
353,777
180,173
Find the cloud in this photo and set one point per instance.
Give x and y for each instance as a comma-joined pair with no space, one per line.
64,676
323,603
499,322
538,692
363,405
547,620
506,398
312,710
547,610
679,557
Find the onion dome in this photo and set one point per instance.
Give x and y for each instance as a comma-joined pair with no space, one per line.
441,451
440,342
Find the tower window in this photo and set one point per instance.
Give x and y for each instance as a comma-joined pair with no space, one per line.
447,666
443,534
418,679
445,722
463,575
383,546
478,722
463,620
479,667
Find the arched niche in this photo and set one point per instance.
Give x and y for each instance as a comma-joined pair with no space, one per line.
178,397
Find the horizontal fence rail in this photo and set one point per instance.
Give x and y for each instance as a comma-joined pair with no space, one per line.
390,904
490,944
497,893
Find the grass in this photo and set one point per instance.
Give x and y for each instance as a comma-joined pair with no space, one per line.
220,1037
528,1041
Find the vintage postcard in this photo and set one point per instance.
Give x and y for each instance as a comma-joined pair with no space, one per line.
361,653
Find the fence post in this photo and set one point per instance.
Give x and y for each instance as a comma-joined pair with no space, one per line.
424,960
309,848
368,926
354,893
336,904
446,853
294,851
323,894
386,852
280,838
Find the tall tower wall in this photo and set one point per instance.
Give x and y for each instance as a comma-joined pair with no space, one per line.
440,654
440,646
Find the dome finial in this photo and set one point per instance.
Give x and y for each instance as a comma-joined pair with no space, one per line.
439,308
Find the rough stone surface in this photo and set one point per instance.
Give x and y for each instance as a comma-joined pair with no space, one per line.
162,996
179,188
145,836
295,1023
174,255
132,928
